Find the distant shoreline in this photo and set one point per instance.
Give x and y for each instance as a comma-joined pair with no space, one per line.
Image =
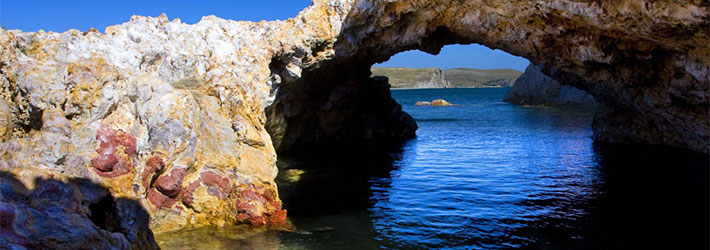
480,87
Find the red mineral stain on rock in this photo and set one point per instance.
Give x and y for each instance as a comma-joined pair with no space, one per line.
248,207
158,199
109,163
170,184
152,165
260,220
278,217
104,163
127,141
211,178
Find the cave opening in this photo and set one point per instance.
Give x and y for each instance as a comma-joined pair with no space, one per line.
477,169
346,103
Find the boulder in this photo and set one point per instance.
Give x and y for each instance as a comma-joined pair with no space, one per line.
441,102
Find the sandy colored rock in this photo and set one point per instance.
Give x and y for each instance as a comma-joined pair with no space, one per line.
422,103
441,102
5,121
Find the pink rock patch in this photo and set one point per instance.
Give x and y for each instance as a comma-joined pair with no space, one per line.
256,215
159,200
278,216
152,165
109,163
211,178
171,184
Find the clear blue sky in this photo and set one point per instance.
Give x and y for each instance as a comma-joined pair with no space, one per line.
458,56
61,15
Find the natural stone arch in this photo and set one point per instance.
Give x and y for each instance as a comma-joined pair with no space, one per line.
647,61
186,102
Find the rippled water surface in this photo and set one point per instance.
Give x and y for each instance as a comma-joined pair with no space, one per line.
489,175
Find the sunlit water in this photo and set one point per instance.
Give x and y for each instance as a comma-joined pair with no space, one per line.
487,175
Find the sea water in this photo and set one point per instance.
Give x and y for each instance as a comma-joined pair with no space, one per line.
485,174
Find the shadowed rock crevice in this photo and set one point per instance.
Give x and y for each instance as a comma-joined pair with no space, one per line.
337,106
72,214
103,214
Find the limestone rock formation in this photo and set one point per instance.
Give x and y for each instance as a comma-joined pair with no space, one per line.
419,78
175,116
476,78
648,61
157,111
535,88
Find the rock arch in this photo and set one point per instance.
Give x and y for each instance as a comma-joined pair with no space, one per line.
186,103
647,61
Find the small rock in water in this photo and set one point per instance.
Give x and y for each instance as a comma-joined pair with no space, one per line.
441,102
437,102
421,103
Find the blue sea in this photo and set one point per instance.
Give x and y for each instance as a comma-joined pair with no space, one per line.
485,174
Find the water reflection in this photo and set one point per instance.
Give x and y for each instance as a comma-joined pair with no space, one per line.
629,196
488,175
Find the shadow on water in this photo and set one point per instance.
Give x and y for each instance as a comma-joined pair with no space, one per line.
646,197
338,180
328,195
643,196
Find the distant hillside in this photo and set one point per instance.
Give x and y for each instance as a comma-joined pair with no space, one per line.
413,77
463,77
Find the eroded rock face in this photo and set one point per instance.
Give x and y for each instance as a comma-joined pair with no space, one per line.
172,115
535,88
646,60
164,113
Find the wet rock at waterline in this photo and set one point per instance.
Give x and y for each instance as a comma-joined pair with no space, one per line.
535,88
175,116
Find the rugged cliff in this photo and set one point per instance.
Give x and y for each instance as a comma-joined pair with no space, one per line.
535,88
173,115
413,77
166,114
466,78
647,61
